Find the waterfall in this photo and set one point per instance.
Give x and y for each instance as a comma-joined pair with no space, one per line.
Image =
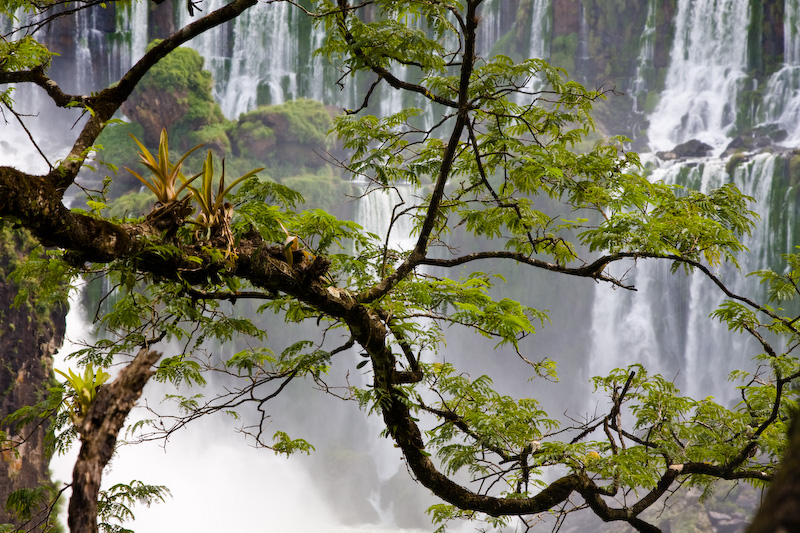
538,46
374,213
491,29
252,489
391,100
252,62
129,41
84,36
264,62
644,63
791,32
665,325
781,104
711,350
707,66
265,57
583,40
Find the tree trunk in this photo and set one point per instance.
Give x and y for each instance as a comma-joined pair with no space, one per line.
780,511
99,430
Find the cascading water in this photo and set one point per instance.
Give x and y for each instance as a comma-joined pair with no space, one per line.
491,29
538,46
781,103
374,213
791,32
265,57
708,62
665,325
644,63
129,41
272,71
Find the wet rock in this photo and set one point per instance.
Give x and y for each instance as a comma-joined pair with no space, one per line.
692,148
293,133
760,138
155,109
725,523
667,156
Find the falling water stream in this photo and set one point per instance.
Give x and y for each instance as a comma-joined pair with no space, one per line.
707,64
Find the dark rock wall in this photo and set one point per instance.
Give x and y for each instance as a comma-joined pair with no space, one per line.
29,336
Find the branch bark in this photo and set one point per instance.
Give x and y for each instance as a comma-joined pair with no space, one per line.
99,430
107,102
781,508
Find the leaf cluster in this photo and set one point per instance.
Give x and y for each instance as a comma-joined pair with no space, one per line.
115,505
479,421
165,175
84,387
211,203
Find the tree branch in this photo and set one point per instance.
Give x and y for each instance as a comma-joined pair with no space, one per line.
108,101
99,430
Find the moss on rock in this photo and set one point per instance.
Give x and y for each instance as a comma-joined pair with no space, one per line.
176,94
292,133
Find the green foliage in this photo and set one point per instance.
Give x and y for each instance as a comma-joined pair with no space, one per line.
657,221
23,54
564,51
306,121
114,141
287,135
318,191
213,135
251,361
165,174
498,424
19,55
287,446
24,503
44,278
181,76
211,204
116,504
84,388
683,429
784,286
520,171
131,205
392,37
181,71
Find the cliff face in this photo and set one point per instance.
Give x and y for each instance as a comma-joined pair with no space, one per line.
29,336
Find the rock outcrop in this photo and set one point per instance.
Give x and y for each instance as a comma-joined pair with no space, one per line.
30,335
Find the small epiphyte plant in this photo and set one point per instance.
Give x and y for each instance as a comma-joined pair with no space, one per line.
213,209
291,245
84,388
165,174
